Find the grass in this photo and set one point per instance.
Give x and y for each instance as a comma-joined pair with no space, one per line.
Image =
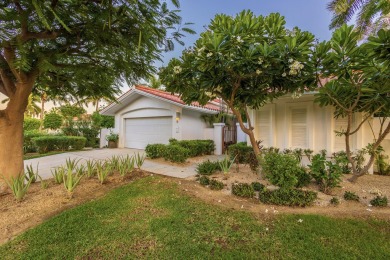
152,218
29,156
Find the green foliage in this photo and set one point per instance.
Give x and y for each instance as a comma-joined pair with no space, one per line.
341,159
139,160
326,173
71,111
112,137
334,201
240,152
208,167
358,83
28,144
155,150
102,121
71,181
126,165
379,201
257,186
226,164
383,167
349,195
30,174
52,121
103,170
58,174
30,124
215,185
44,184
176,153
204,180
195,147
283,170
46,144
243,190
18,186
288,197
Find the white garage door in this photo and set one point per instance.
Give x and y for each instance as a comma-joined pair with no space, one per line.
147,130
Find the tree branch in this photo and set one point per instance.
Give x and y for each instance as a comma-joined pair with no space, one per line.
365,119
6,84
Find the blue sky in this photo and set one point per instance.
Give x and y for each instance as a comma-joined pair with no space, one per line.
309,15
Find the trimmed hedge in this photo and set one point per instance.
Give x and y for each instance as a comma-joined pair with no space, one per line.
46,144
208,167
288,197
30,124
240,151
28,145
155,150
195,147
176,153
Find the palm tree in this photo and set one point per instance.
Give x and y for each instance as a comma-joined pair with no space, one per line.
155,82
371,15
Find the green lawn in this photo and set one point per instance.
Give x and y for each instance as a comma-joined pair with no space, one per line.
152,218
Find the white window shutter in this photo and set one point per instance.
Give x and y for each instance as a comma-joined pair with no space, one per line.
299,133
264,127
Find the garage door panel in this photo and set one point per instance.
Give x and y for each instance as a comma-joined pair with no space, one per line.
140,132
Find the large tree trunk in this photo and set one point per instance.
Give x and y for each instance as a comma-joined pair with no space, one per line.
11,133
11,152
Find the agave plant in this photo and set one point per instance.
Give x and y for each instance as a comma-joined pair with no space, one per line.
126,165
91,168
71,164
102,171
18,186
58,174
44,184
226,164
139,160
30,174
71,180
114,163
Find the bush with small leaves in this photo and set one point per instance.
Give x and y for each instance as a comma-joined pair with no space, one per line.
204,180
349,195
216,185
31,124
257,186
176,153
288,197
379,201
334,201
154,151
208,167
243,190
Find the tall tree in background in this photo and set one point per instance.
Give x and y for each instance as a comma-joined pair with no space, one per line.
246,61
74,48
371,15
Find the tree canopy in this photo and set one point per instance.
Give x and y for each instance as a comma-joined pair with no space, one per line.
246,60
359,82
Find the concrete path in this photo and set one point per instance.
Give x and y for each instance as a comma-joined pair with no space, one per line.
45,164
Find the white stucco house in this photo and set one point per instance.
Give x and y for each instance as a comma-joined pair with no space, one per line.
145,115
300,123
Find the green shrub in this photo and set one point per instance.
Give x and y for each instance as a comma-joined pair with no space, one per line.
326,173
216,185
208,167
176,153
204,180
195,147
341,159
257,186
379,201
304,178
28,145
30,124
283,170
240,152
288,197
349,195
243,190
52,121
155,150
49,143
334,201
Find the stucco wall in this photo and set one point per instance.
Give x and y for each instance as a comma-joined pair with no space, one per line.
192,126
320,125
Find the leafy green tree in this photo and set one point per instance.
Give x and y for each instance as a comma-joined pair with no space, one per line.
358,83
74,48
31,124
371,15
52,121
247,61
155,82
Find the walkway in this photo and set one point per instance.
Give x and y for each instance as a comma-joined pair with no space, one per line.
45,164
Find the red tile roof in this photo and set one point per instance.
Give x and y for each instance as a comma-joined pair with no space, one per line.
176,98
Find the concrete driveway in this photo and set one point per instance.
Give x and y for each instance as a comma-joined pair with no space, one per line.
45,164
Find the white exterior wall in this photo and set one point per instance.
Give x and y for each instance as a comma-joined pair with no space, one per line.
320,126
192,126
